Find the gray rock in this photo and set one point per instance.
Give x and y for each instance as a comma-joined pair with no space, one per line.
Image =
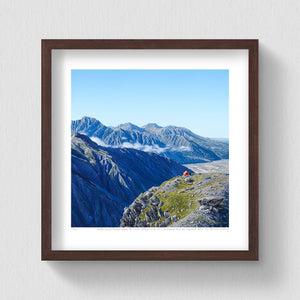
166,214
137,207
178,180
160,213
161,203
154,201
148,194
152,215
188,180
144,205
204,207
174,218
168,221
126,211
143,198
211,201
148,216
141,223
163,224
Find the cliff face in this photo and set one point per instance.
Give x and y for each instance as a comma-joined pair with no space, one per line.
105,180
199,200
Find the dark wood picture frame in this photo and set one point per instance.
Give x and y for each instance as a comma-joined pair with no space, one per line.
47,252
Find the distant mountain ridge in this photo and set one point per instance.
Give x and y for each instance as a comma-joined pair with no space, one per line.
177,143
106,180
223,140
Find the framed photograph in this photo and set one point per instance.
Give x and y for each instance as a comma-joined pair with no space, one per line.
149,149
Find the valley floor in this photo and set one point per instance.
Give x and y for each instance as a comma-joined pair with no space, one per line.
217,166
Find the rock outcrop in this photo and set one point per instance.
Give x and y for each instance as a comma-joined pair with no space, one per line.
199,200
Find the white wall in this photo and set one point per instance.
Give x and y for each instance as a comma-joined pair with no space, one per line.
24,23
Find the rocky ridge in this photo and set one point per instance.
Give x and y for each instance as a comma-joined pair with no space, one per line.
199,200
177,143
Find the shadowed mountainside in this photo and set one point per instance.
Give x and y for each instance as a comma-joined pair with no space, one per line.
105,180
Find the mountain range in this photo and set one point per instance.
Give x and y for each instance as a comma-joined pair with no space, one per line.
106,179
177,143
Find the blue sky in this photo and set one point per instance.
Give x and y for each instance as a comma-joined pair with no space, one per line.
195,99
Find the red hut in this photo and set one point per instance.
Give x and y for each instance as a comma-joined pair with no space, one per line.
186,173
